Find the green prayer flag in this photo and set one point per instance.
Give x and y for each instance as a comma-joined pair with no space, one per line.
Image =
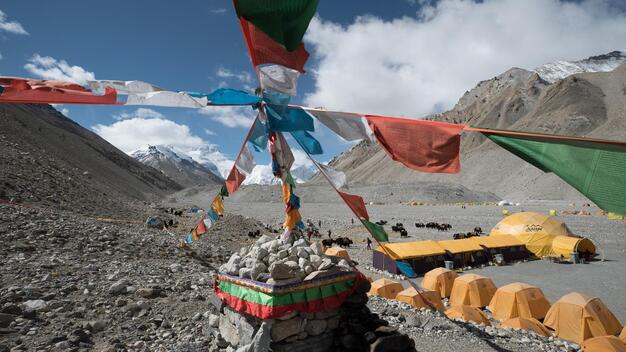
596,169
289,180
224,192
376,230
285,21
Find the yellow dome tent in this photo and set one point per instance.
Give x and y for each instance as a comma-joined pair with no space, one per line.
338,252
467,313
440,280
563,245
604,344
417,300
519,300
577,317
472,290
385,288
529,324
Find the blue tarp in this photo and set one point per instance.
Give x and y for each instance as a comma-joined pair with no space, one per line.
227,96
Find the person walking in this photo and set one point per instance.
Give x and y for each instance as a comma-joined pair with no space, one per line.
369,243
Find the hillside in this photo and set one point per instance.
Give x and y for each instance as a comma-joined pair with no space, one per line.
49,159
591,104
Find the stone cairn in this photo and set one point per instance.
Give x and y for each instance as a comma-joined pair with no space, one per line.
350,327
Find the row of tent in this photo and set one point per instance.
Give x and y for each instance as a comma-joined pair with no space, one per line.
518,236
574,317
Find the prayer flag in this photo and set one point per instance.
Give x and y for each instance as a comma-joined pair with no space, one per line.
218,205
348,126
246,160
201,228
284,21
426,146
596,168
308,142
23,90
194,235
290,181
234,180
207,223
258,136
293,119
227,96
279,78
377,231
281,155
292,217
264,50
211,214
123,87
224,192
337,178
167,98
405,269
189,238
356,204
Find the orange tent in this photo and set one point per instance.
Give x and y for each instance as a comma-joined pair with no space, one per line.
385,288
529,324
519,300
473,290
577,317
417,300
622,336
467,313
338,252
604,344
440,280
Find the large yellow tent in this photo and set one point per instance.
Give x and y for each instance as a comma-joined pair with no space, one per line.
604,344
622,335
525,324
577,317
409,250
467,313
472,290
385,288
420,300
440,280
519,300
338,252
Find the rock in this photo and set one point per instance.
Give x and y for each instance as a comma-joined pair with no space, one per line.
300,243
325,314
325,264
175,267
263,239
282,254
280,271
244,273
147,292
214,321
302,253
316,260
352,343
258,269
228,331
98,325
6,319
386,330
288,315
316,327
317,248
119,287
283,329
245,330
37,305
333,323
261,253
393,343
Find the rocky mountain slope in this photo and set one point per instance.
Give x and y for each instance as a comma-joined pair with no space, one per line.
48,159
589,104
177,165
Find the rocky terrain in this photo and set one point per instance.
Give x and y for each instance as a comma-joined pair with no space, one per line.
48,159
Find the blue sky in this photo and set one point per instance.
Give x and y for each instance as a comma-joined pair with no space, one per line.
389,57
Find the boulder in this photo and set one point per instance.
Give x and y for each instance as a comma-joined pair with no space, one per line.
37,305
280,271
326,264
263,239
316,327
245,273
283,329
119,287
393,343
258,269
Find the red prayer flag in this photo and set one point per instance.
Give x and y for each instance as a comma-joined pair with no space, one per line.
23,90
264,50
234,180
201,228
426,146
355,203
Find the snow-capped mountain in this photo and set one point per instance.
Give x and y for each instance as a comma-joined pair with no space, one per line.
177,165
212,158
557,70
262,175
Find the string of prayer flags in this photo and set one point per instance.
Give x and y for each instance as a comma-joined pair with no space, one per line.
595,168
284,21
167,98
24,90
264,50
426,146
234,180
282,157
278,78
124,87
348,126
227,96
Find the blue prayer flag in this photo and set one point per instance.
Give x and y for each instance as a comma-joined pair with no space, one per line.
227,96
293,119
405,269
307,142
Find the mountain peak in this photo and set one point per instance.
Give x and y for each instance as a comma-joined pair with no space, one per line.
557,70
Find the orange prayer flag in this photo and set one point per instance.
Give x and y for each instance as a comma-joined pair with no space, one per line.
234,180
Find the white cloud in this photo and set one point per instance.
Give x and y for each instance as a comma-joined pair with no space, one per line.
48,67
417,65
139,113
136,133
11,27
219,11
241,76
230,116
208,132
300,158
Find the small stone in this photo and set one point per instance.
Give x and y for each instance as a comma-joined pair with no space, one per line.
214,320
98,325
147,292
37,305
119,287
283,329
316,327
280,271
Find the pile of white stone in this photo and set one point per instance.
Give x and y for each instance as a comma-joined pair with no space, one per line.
274,261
